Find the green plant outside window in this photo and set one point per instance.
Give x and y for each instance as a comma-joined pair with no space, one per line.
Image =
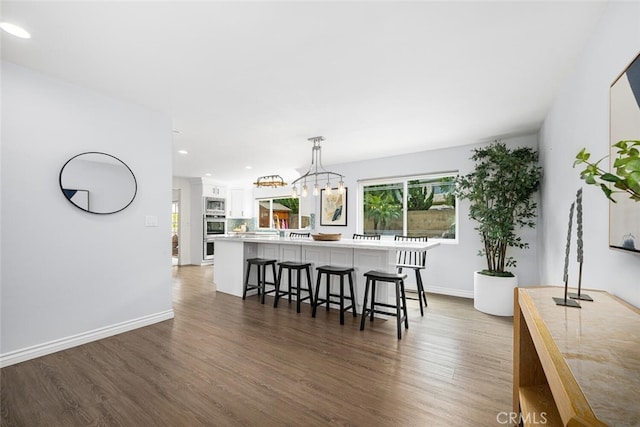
412,206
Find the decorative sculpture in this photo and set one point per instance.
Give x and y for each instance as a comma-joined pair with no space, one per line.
580,295
565,301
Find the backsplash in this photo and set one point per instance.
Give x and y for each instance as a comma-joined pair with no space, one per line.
245,225
241,225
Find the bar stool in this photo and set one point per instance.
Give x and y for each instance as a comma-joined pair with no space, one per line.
400,306
298,267
261,264
415,260
290,266
329,271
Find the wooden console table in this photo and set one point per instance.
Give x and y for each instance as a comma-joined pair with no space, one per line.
575,366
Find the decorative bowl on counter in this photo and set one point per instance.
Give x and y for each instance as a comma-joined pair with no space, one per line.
327,236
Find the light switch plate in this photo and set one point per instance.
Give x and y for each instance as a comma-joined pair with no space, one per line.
151,221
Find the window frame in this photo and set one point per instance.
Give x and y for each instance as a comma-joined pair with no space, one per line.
271,199
404,179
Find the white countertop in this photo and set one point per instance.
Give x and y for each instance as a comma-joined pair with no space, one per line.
343,243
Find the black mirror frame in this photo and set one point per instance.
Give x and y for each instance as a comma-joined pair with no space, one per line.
135,183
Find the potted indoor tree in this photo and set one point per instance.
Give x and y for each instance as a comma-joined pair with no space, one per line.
500,191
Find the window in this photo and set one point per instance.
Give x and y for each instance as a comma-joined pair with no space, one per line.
283,213
412,206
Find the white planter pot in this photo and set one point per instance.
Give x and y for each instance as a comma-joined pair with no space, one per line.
494,295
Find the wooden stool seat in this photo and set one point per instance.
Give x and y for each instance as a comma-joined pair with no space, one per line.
400,306
329,271
261,264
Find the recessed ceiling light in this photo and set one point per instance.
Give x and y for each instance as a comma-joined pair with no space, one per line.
248,167
183,152
15,30
207,174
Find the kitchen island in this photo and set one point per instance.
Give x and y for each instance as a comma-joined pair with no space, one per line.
363,255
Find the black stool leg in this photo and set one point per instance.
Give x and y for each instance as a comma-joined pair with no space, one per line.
246,282
273,271
342,299
315,304
420,290
328,290
299,275
309,288
398,308
404,305
261,279
275,302
289,275
353,296
373,297
364,305
424,293
421,294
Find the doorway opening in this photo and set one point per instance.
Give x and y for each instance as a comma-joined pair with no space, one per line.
175,225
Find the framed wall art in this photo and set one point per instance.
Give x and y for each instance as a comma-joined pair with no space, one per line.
333,207
624,216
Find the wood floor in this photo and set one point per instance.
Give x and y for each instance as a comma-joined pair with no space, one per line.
225,362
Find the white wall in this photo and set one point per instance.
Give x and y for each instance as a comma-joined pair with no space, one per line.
450,266
580,118
68,276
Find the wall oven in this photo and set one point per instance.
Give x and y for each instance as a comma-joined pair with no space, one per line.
214,225
208,250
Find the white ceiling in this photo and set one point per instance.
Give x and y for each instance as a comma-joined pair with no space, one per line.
247,83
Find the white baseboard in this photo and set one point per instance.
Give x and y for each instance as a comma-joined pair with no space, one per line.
449,291
38,350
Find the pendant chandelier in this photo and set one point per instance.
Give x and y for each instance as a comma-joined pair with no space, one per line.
270,181
317,175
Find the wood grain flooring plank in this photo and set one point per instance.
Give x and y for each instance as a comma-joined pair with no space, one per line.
223,361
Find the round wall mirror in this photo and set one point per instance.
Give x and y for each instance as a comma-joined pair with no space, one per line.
98,183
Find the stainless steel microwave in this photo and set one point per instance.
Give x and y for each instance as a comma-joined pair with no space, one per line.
214,206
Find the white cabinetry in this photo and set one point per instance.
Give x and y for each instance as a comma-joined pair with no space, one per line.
240,203
213,190
206,188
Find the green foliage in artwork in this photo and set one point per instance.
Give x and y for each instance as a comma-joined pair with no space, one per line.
625,177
